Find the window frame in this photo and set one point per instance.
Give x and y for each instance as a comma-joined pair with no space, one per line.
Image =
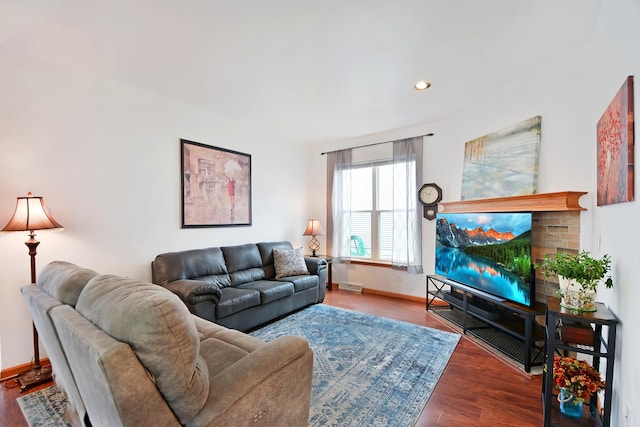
375,212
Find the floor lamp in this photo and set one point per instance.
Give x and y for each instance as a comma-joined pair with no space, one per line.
31,215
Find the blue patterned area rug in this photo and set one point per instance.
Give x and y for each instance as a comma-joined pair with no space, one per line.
44,408
367,370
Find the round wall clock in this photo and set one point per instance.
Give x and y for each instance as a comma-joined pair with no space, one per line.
430,194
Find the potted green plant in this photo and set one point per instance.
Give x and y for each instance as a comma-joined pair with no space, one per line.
579,275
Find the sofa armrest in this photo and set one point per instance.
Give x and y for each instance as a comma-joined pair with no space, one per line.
206,328
315,265
319,267
239,339
194,291
272,384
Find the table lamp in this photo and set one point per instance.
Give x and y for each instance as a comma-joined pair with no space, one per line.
314,229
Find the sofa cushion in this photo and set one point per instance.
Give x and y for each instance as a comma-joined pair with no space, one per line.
301,283
234,300
289,262
220,354
244,263
64,281
216,280
159,329
206,263
270,290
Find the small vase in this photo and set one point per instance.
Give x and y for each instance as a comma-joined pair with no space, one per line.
569,405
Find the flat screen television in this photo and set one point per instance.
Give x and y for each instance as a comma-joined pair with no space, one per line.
490,252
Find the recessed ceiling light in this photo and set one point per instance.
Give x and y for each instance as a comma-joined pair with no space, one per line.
421,85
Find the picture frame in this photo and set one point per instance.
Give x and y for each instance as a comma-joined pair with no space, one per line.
216,186
616,148
503,163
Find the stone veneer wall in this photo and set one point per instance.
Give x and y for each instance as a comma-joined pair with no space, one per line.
553,232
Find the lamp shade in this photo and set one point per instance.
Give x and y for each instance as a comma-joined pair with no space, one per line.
314,228
31,214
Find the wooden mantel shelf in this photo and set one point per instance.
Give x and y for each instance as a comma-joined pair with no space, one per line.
548,202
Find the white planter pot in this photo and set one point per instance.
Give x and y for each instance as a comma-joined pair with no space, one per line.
574,297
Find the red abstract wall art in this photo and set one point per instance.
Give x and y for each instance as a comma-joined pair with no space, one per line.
615,148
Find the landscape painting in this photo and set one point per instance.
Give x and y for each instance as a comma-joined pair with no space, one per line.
615,148
216,186
502,163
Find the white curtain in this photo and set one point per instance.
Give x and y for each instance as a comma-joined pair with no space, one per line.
339,208
407,221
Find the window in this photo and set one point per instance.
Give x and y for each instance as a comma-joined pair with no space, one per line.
371,198
372,204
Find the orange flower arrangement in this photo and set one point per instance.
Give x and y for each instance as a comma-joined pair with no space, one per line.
577,376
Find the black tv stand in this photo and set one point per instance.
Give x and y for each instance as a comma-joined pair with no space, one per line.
508,327
479,307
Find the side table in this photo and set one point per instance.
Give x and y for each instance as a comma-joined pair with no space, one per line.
603,347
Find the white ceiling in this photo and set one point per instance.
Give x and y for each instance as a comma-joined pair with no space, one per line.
305,70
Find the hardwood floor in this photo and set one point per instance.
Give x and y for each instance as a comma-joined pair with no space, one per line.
476,388
10,412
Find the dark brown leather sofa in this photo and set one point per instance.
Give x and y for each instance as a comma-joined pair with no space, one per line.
236,286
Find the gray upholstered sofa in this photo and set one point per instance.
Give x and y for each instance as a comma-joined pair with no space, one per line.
135,356
242,286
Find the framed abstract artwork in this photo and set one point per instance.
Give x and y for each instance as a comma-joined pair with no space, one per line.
503,163
216,186
615,148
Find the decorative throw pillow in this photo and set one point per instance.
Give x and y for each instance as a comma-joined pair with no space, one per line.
289,262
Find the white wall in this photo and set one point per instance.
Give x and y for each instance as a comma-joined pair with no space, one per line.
551,92
570,95
106,159
614,55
